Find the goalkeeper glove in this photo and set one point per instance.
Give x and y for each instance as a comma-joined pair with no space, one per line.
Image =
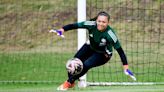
128,72
59,32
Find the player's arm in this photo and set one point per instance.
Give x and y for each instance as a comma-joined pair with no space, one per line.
121,53
125,63
123,57
84,24
68,27
117,46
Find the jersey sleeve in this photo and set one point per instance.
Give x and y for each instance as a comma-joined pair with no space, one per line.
122,56
84,24
113,39
116,44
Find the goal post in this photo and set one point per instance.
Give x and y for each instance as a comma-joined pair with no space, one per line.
81,34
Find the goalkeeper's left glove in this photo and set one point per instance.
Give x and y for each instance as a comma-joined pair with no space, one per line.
128,72
59,32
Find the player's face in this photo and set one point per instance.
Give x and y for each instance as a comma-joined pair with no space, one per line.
102,22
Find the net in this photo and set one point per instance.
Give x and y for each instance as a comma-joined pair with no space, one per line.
138,24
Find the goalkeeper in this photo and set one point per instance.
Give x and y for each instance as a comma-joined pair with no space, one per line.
98,49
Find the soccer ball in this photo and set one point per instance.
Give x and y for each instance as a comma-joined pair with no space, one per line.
74,66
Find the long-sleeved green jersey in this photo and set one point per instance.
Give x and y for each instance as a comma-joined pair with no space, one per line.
100,41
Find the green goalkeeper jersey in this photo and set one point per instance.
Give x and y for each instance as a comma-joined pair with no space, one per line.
100,41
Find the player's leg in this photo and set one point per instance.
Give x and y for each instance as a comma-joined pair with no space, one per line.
96,59
82,54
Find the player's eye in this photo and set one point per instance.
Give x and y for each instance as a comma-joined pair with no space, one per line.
99,21
103,22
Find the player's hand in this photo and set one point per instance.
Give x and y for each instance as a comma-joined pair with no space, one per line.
129,73
58,32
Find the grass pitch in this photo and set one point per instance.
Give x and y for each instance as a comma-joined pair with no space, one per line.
52,88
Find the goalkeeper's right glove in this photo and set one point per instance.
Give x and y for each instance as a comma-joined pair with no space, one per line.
59,32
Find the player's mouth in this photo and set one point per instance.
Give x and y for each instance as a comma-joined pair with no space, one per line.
100,28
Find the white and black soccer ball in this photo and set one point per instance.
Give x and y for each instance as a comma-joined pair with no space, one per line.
74,66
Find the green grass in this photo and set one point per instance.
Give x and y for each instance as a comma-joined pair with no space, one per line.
50,66
52,88
33,66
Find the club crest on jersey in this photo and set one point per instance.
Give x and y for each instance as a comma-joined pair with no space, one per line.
91,35
103,42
